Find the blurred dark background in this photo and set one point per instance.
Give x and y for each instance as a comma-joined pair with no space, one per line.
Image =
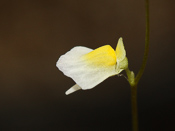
33,35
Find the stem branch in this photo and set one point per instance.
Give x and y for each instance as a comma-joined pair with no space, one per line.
142,68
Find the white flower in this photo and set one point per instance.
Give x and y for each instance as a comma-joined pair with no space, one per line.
89,67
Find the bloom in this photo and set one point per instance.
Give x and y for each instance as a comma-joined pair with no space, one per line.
89,67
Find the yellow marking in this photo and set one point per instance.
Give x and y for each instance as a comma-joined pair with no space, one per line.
102,56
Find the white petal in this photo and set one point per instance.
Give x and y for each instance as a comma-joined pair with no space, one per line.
73,89
84,74
70,60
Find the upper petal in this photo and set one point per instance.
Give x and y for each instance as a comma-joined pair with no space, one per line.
120,50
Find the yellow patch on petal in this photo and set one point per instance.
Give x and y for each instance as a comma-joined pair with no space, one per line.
102,56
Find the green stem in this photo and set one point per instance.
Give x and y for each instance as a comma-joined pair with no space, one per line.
133,81
134,108
142,68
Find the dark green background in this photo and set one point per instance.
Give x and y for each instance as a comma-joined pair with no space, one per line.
33,35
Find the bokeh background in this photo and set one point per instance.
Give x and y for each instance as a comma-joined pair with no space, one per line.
33,35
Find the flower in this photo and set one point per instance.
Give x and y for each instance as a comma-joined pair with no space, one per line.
89,67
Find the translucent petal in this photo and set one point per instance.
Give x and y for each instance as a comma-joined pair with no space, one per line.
120,50
73,89
88,69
